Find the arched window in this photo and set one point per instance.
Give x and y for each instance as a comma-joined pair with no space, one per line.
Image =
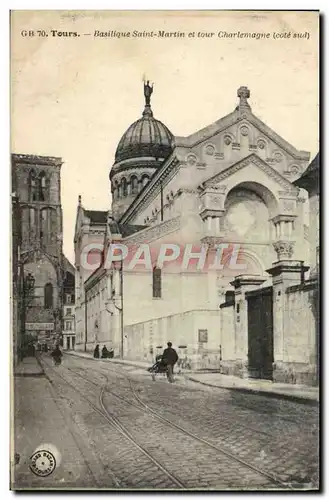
42,186
157,283
124,187
145,180
115,191
48,296
32,224
33,186
134,184
44,223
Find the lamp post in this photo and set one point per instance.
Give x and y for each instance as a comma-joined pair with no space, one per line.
120,309
55,315
27,294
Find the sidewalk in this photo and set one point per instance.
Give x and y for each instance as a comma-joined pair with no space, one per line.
264,387
298,393
39,423
28,367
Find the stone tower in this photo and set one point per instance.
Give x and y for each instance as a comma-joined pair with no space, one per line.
36,183
143,148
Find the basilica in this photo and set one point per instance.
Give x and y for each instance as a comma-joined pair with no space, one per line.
235,184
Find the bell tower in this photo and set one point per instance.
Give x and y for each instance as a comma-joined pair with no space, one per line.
36,181
36,184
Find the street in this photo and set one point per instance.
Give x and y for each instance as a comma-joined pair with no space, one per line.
115,428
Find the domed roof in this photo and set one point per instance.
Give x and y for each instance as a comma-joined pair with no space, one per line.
146,136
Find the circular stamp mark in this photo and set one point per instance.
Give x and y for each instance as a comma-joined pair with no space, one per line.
42,463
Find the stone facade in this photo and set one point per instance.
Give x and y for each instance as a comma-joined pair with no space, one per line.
231,182
36,182
69,307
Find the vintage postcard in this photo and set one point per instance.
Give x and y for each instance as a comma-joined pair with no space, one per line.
165,250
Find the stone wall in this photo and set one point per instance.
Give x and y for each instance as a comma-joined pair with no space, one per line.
195,335
301,336
314,231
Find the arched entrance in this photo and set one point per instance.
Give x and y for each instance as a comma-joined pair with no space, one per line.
250,206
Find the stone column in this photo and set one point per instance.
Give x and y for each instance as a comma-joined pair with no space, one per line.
285,273
284,236
243,284
212,209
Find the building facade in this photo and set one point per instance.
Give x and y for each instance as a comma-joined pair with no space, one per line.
69,306
36,183
230,184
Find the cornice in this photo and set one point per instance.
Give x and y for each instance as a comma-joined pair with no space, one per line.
244,163
282,143
154,232
39,204
23,159
94,278
233,118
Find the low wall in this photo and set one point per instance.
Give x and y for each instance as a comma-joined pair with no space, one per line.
301,336
143,341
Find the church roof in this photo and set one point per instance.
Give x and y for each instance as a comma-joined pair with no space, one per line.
146,137
68,267
242,111
129,229
97,216
310,178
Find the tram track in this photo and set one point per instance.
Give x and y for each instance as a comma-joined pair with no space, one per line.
150,411
169,481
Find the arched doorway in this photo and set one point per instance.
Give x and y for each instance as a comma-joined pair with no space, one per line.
249,208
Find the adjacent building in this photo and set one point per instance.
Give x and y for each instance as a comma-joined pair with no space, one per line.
230,184
38,314
69,306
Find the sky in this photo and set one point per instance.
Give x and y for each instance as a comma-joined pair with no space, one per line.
74,97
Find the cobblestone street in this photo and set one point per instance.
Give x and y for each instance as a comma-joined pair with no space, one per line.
114,427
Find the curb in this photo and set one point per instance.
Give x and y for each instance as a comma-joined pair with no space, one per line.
128,363
245,390
261,392
115,362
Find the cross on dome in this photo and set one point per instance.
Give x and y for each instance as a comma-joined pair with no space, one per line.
243,94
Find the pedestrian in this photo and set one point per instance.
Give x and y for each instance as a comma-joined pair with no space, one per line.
57,355
96,352
111,353
170,358
105,352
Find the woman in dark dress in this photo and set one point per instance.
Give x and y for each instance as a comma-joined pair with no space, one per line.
96,351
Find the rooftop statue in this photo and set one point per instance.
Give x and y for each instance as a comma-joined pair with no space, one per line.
148,90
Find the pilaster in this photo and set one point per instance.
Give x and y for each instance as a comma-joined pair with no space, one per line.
212,210
285,273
